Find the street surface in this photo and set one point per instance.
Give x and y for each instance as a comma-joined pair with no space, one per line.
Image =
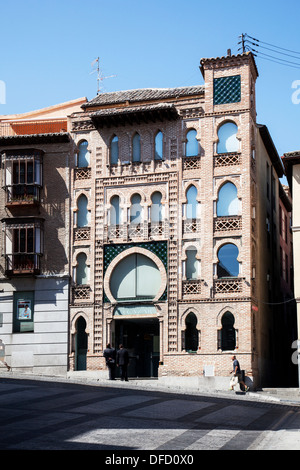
40,415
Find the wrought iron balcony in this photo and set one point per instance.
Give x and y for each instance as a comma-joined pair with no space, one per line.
22,263
22,194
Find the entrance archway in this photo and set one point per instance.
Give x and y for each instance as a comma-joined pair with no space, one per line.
141,338
81,342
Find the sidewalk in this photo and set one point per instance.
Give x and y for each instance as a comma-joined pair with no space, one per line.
288,396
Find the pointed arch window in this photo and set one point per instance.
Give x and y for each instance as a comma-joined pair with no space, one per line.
228,265
159,146
227,140
156,207
136,148
83,218
228,333
115,213
192,264
83,155
114,151
228,203
192,147
136,210
191,334
192,203
81,269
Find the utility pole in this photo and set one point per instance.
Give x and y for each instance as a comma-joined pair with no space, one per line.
242,42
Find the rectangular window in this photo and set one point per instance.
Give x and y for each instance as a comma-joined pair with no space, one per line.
22,176
227,89
23,317
23,246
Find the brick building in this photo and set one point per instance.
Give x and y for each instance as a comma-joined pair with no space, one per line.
151,218
175,224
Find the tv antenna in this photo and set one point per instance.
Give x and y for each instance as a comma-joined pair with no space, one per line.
100,77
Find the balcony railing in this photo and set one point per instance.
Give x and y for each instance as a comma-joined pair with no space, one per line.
232,285
144,230
22,194
13,128
227,223
81,292
23,263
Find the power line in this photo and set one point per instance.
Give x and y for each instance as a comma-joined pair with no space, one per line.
272,45
249,44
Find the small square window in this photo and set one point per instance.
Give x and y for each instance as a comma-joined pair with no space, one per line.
227,89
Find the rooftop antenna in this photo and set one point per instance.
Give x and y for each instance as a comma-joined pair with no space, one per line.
100,77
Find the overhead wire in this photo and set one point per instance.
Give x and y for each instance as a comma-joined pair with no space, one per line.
252,43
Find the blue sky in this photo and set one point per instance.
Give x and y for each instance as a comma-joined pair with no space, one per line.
47,48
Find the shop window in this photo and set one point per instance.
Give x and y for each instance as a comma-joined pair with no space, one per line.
23,315
83,155
159,146
228,265
114,151
228,203
228,141
192,148
136,148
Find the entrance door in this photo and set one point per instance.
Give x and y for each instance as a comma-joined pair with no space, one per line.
80,345
141,338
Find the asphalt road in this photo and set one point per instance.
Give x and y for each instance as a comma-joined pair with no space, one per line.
40,415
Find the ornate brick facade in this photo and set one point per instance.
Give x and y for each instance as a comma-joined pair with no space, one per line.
205,301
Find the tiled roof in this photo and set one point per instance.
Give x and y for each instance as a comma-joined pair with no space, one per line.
35,138
144,94
133,109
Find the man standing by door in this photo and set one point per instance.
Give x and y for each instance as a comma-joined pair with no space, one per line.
122,361
110,357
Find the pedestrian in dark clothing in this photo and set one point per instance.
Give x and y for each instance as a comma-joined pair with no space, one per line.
122,361
236,371
110,357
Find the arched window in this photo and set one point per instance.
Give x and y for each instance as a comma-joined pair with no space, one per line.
192,149
136,277
136,209
228,203
81,269
114,150
228,265
115,211
192,203
227,138
159,146
228,336
81,344
192,264
83,213
83,155
136,148
156,207
191,339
